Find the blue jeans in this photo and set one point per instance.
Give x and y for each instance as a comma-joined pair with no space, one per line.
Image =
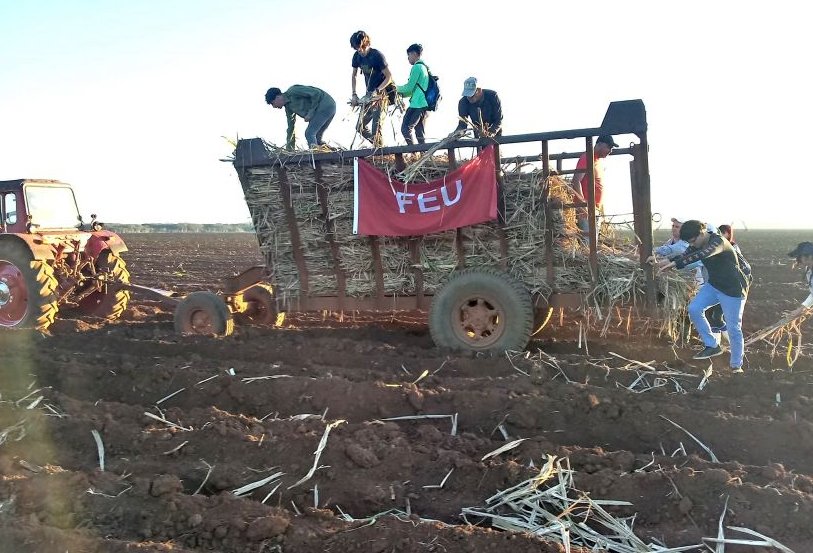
319,122
707,296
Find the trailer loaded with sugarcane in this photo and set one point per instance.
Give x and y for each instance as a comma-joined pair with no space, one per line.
487,287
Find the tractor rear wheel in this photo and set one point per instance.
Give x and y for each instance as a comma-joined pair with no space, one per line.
28,296
262,305
110,302
484,310
203,313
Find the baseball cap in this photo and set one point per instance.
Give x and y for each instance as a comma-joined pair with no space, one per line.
676,221
804,248
469,87
608,140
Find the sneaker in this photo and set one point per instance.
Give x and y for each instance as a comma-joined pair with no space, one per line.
716,329
736,370
708,352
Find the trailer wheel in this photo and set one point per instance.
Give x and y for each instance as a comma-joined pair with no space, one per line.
110,302
482,310
27,290
262,305
203,313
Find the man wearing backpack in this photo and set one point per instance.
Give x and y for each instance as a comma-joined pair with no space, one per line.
415,90
481,108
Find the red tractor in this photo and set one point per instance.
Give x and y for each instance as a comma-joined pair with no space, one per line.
50,260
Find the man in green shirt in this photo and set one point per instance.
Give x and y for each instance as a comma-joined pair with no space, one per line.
415,90
312,104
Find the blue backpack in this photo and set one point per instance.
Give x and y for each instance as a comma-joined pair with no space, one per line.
432,92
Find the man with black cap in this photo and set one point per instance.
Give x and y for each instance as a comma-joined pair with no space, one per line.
580,183
312,104
804,257
481,108
726,284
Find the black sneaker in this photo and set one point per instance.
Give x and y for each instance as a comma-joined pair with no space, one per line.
708,352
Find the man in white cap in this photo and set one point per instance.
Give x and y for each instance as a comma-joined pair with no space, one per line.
674,246
480,108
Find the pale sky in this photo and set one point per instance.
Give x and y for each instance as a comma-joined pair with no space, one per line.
130,101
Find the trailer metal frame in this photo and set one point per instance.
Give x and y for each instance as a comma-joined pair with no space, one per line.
623,117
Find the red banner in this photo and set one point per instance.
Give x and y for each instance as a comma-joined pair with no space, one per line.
465,196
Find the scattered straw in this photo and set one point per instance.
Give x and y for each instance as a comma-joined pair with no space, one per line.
507,447
453,418
785,334
243,490
318,452
13,433
714,458
550,505
176,448
99,447
173,394
442,482
168,423
765,541
209,470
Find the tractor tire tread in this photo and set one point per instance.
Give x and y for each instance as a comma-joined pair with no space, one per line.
205,300
519,327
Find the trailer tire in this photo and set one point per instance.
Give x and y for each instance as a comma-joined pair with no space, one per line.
482,310
203,313
262,305
110,302
28,297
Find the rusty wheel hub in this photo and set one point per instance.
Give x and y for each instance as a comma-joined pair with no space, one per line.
13,295
201,322
480,321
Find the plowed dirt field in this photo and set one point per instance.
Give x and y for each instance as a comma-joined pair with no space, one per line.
184,422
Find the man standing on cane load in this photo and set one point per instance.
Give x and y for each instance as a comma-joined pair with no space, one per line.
481,108
310,103
380,91
726,285
580,183
415,90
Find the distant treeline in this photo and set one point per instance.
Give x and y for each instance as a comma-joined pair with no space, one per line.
179,227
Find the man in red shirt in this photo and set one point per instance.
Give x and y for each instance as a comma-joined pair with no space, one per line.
580,183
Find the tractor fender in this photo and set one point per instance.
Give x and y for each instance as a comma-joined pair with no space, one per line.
104,240
39,250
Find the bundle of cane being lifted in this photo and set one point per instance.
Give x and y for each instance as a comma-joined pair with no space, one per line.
788,328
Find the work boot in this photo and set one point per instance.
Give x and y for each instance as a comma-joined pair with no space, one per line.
708,353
